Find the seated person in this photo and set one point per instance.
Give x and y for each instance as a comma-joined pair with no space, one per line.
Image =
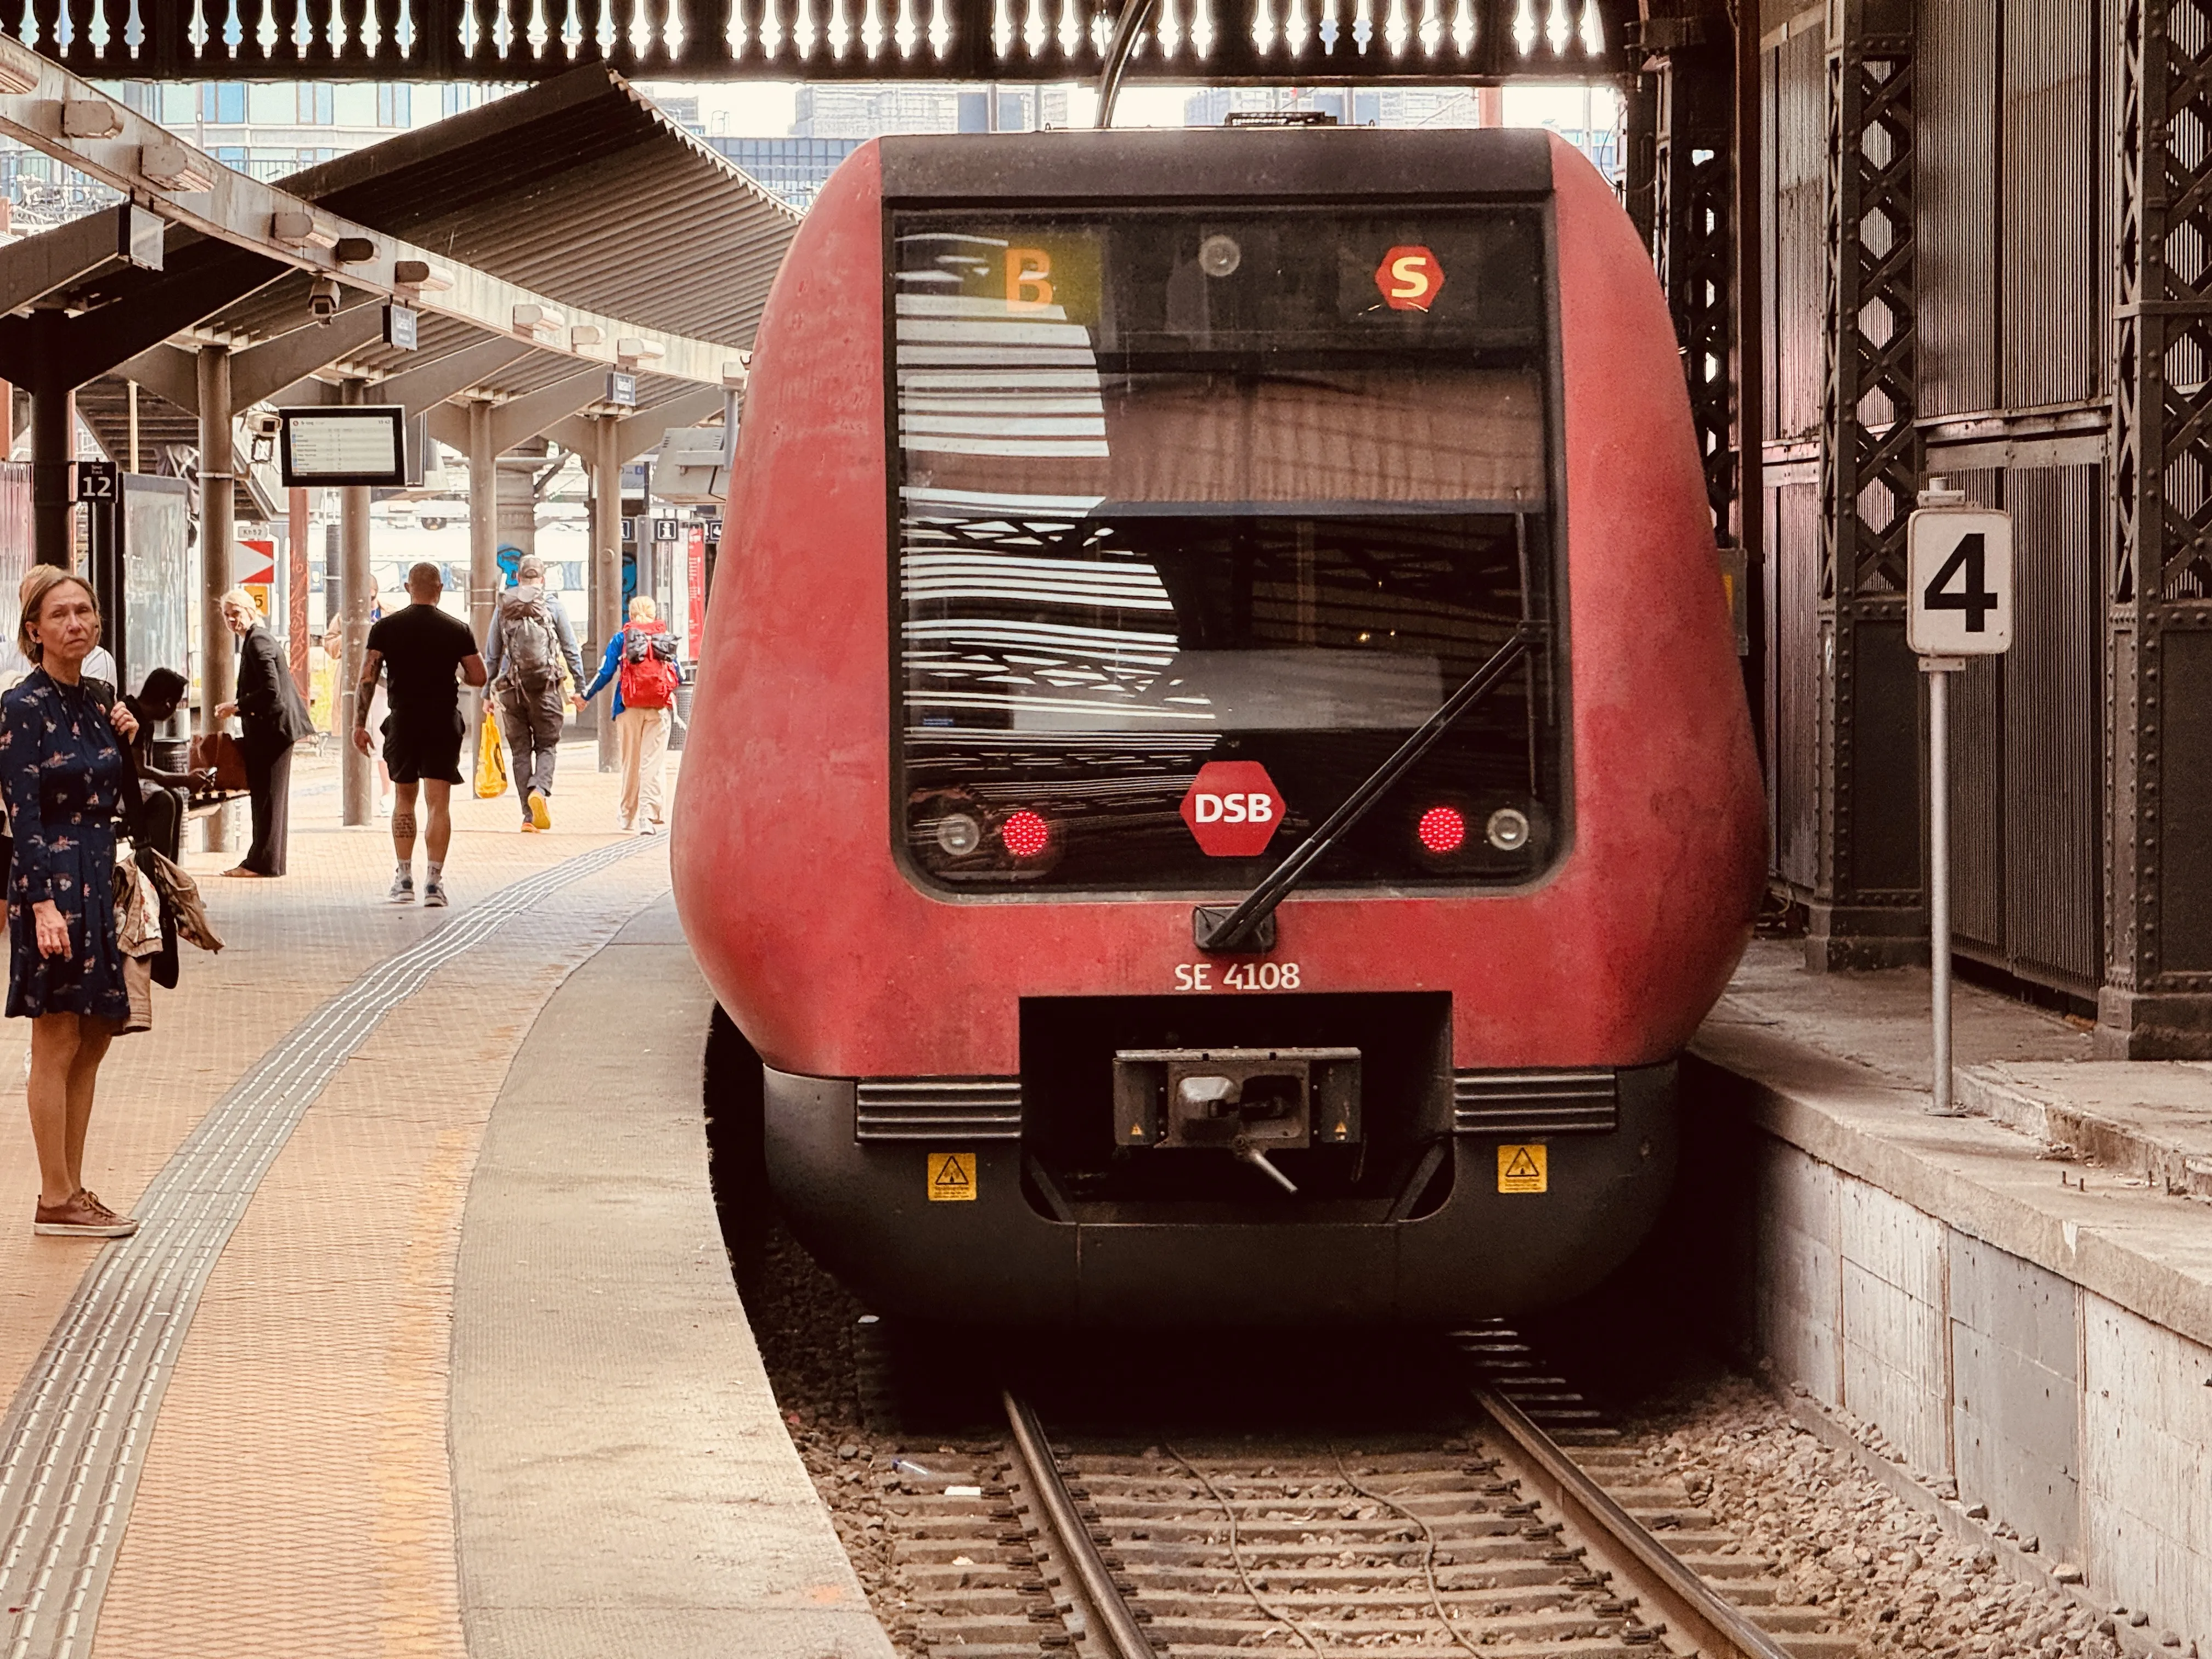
160,818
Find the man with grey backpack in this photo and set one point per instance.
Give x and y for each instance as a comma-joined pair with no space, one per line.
531,643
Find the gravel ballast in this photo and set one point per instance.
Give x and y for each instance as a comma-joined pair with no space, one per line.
1883,1570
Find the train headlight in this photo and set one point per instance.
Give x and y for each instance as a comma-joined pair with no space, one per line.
958,834
1219,256
1508,829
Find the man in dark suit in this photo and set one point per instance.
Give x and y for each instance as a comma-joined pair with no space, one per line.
275,717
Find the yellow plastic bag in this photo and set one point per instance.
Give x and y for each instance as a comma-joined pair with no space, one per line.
491,759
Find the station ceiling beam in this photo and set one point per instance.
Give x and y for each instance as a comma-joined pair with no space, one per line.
523,418
638,433
37,266
1203,41
169,373
264,369
51,109
62,349
421,389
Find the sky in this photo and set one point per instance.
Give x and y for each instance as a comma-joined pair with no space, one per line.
764,109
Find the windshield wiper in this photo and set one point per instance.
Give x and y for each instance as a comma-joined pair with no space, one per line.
1251,924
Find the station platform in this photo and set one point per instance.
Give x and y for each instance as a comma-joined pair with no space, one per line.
427,1345
2012,1306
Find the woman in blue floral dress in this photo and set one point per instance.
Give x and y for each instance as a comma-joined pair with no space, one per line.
62,772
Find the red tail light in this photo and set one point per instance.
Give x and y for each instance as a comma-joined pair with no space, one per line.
1025,833
1442,829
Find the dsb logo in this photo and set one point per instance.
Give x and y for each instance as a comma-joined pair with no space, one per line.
1232,809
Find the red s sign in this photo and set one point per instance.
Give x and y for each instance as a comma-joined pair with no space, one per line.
1410,278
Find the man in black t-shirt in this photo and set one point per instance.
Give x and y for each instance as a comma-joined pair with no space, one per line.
423,647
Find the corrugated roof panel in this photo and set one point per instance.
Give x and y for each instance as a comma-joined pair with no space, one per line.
579,188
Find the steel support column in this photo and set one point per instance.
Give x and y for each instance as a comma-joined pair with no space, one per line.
1685,191
2156,999
218,499
483,552
295,575
54,448
1867,907
606,565
1638,140
357,595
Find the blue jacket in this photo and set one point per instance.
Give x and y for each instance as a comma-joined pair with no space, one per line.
609,670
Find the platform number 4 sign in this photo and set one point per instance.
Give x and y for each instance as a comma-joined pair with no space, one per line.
1959,562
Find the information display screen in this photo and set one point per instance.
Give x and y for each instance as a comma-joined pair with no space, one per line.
345,446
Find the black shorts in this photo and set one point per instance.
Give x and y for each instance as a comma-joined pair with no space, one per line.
423,749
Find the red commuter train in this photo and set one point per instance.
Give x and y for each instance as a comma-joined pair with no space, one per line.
1219,784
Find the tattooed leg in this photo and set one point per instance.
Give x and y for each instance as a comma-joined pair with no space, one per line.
403,821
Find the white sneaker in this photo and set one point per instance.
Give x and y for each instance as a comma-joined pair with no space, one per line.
651,828
433,896
403,890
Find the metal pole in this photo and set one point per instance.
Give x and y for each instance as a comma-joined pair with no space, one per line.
607,567
295,613
484,550
218,500
296,586
1939,670
356,589
133,385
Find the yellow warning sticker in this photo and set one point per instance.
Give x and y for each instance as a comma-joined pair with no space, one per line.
1523,1169
953,1177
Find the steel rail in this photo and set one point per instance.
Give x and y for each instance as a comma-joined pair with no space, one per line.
1123,1635
1687,1603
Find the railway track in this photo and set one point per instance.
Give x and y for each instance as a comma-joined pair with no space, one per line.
1535,1535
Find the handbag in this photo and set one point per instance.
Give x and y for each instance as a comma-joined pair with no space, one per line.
491,759
218,752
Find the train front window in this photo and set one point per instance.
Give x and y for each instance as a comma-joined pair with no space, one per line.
1175,487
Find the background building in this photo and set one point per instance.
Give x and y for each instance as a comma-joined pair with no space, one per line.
1589,117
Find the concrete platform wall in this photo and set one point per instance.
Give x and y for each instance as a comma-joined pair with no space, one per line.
2080,1423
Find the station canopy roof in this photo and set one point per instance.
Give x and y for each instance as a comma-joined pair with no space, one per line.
582,188
577,189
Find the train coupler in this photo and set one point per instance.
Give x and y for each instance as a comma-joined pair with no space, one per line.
1246,1101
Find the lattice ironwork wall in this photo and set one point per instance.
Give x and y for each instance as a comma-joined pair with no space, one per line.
1693,244
2157,998
1303,41
1866,891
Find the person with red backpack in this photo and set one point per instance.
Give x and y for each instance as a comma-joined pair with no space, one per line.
640,661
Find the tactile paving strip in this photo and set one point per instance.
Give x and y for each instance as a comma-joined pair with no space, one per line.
74,1440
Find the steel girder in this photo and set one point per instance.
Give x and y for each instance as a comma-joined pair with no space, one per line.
2156,1000
1299,41
1867,906
1692,225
